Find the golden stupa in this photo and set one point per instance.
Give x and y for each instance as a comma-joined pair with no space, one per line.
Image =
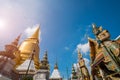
27,47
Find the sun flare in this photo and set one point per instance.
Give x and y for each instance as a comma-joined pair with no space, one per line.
2,24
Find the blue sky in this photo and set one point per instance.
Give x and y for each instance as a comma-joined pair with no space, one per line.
65,24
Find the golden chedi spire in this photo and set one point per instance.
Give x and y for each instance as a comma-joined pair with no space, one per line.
35,35
28,46
44,63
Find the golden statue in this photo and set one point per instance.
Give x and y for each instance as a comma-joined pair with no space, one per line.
104,54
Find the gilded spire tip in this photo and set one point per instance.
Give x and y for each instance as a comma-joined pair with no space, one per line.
36,33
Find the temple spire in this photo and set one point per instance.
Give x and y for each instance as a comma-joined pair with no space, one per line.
56,66
15,42
44,63
12,47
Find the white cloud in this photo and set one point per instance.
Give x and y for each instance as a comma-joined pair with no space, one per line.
87,33
66,48
29,31
84,48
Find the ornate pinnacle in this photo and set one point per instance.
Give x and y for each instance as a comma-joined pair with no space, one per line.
96,30
44,62
45,57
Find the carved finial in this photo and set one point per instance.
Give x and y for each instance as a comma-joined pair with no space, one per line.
96,30
94,25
